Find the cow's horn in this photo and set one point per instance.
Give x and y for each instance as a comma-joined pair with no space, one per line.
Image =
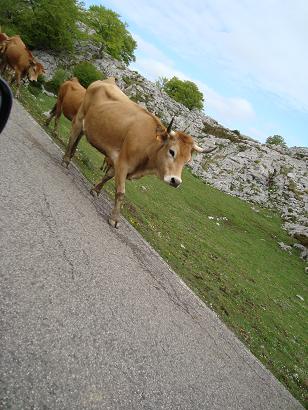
170,126
203,150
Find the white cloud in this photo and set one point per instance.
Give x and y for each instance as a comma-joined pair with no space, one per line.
153,64
262,44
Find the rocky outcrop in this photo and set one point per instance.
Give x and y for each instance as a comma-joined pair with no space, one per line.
270,176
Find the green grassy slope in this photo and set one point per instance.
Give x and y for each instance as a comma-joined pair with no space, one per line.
225,251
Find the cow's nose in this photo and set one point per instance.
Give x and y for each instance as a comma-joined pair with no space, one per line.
175,182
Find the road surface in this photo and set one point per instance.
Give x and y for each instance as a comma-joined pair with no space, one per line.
91,317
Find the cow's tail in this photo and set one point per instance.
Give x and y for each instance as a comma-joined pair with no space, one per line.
3,46
53,110
107,165
52,113
104,166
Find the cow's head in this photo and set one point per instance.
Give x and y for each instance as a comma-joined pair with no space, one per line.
176,151
35,69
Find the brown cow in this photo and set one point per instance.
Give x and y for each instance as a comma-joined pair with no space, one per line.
70,96
3,39
20,59
134,139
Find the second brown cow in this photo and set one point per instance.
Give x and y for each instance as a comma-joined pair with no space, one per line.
70,97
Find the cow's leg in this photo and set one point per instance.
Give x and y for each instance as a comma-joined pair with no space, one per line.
120,177
51,115
10,75
2,67
57,117
108,175
75,135
17,79
56,128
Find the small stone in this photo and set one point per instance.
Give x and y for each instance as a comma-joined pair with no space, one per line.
285,247
300,297
303,250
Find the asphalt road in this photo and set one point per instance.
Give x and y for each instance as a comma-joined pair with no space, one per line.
91,317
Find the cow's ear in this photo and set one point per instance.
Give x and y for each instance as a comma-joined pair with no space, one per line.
163,137
162,134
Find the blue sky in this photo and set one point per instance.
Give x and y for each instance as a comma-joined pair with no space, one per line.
249,58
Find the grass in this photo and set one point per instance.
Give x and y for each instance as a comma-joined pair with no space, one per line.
225,251
221,132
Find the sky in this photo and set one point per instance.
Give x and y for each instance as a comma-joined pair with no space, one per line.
249,58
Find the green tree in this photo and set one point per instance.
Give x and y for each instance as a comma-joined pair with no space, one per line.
87,73
110,33
276,140
185,92
161,82
43,24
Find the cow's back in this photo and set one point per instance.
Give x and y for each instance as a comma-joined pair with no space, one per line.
111,118
71,94
17,54
3,37
104,91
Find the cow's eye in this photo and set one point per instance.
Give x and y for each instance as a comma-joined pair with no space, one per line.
171,152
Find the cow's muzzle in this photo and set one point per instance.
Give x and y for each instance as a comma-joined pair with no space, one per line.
173,180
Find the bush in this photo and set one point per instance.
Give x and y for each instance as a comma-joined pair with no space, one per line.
87,73
276,140
58,78
33,89
221,132
184,92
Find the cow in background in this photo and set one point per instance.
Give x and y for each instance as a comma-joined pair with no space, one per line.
135,141
20,60
3,37
70,97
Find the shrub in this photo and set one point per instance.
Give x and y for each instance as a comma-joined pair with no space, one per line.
221,132
58,78
184,92
276,140
87,73
33,89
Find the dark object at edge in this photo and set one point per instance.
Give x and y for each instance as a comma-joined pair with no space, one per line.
6,100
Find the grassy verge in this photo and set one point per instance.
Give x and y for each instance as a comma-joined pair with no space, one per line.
225,251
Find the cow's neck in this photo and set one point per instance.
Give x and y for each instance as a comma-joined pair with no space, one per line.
152,154
149,165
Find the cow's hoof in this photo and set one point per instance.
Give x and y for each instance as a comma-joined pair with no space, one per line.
113,223
94,193
64,163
